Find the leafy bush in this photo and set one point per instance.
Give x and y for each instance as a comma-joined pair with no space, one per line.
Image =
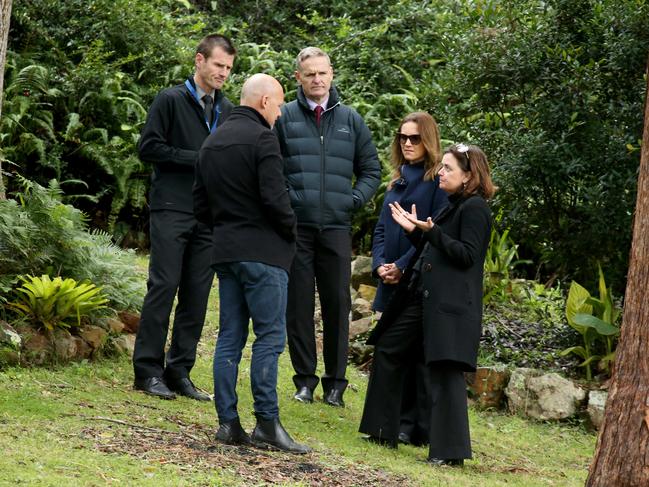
53,303
552,90
596,321
499,263
41,235
79,79
528,329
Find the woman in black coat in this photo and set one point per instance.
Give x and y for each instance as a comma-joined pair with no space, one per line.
438,303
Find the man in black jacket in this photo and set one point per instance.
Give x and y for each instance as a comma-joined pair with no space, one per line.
240,192
325,145
178,122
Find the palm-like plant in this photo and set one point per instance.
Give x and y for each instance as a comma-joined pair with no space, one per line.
54,302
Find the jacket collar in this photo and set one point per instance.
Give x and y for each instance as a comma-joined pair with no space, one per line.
217,93
250,113
333,98
454,201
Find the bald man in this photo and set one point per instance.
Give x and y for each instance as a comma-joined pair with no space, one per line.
240,192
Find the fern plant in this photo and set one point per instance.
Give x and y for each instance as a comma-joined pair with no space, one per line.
40,235
54,302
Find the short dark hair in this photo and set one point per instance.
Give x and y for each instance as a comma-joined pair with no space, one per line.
208,43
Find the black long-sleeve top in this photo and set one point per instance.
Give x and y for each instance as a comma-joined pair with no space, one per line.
174,131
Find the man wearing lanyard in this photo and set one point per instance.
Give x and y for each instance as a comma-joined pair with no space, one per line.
179,120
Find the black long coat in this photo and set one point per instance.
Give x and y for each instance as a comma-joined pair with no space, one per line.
452,265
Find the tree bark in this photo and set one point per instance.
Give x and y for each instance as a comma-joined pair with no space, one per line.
5,16
622,453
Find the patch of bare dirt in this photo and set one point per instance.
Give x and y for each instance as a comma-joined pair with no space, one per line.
193,448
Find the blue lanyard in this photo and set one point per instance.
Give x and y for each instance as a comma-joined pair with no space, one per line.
217,107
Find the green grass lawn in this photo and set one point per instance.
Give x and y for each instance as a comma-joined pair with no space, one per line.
82,424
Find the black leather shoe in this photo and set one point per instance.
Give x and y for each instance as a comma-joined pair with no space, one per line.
154,386
404,438
380,441
185,387
334,398
269,433
451,462
232,433
304,394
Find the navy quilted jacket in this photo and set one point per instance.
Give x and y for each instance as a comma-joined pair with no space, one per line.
331,170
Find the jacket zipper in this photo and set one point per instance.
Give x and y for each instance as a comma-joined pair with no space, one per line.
322,173
322,165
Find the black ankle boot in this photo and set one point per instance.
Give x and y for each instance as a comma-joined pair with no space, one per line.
232,433
269,433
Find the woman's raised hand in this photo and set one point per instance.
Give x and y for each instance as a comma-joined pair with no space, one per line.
408,221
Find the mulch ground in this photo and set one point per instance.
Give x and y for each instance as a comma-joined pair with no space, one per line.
196,451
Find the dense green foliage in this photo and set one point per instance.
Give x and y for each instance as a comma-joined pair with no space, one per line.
56,302
527,328
596,320
552,90
41,235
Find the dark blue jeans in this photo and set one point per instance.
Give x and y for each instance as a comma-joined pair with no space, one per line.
249,290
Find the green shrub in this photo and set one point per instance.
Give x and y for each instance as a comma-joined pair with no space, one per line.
596,321
528,329
550,89
499,263
41,235
53,303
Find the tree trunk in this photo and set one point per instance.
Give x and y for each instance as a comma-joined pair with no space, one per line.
622,453
5,16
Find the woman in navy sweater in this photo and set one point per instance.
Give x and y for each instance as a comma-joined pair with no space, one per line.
416,154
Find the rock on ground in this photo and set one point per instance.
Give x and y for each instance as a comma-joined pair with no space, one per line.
487,386
543,396
362,272
595,409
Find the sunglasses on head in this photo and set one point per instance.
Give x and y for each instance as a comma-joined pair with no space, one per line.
464,149
415,139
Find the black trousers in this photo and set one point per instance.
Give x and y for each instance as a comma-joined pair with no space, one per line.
443,382
414,404
179,263
323,257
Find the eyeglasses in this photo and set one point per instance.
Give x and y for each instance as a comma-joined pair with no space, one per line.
415,139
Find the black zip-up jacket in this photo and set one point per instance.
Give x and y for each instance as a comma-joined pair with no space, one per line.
320,163
240,192
174,131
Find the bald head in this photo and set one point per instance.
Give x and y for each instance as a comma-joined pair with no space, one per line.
265,94
256,86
